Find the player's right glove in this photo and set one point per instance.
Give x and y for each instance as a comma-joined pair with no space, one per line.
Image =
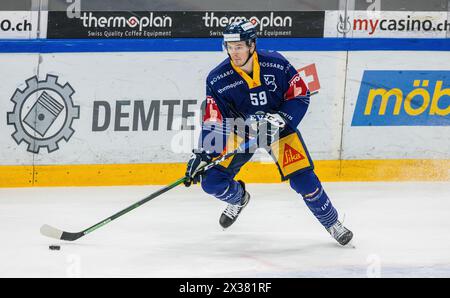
194,172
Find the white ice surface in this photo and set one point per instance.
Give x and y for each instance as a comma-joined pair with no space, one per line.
401,230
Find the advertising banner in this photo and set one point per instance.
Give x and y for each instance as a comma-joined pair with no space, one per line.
397,105
395,24
18,24
137,107
173,24
14,68
403,98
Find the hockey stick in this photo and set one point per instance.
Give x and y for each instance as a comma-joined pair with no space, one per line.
55,233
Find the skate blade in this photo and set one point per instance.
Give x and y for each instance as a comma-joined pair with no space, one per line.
349,245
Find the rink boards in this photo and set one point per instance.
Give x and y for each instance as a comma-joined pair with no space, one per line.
119,118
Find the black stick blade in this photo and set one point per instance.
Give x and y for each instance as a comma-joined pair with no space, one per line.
71,236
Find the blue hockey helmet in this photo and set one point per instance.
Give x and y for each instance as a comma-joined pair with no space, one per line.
241,30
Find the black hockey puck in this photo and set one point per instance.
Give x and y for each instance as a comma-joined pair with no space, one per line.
54,247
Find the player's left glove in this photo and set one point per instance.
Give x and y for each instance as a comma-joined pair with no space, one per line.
194,172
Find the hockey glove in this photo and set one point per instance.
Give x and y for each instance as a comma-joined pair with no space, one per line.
195,164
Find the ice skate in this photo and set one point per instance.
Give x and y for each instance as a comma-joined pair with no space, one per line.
340,233
232,212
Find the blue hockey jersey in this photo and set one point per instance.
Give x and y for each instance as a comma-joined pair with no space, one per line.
275,86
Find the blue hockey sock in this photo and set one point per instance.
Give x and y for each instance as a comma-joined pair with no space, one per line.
320,205
232,194
308,185
222,186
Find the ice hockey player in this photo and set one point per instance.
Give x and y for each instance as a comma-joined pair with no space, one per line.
260,87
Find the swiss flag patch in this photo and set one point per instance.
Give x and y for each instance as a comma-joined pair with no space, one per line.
212,112
297,87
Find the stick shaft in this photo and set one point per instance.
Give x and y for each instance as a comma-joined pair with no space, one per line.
134,206
56,233
241,148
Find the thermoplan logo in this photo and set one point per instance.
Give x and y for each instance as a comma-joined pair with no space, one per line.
403,98
271,20
43,114
139,22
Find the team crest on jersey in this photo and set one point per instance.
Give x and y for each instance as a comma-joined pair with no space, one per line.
270,82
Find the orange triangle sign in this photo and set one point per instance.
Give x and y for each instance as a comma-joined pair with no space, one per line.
291,155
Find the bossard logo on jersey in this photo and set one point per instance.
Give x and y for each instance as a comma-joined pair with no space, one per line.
270,82
403,98
309,75
43,114
291,156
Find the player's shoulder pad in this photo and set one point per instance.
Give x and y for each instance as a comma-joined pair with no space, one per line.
273,56
223,67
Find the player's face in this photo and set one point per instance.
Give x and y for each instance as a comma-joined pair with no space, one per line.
239,51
